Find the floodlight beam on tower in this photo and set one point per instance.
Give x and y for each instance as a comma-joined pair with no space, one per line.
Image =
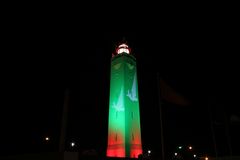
124,133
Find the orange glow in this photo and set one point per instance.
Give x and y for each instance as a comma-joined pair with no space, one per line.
113,140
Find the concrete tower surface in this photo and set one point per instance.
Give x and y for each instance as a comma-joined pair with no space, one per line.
124,131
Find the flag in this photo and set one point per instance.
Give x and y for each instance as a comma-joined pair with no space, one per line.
170,95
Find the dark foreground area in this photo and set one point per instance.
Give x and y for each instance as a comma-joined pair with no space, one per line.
87,156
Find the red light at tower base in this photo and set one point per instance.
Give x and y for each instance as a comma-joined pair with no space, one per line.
116,151
134,153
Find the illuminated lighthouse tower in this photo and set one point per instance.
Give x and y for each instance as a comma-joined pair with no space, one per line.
124,132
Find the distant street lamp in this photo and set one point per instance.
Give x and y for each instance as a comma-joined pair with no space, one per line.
149,151
72,144
47,138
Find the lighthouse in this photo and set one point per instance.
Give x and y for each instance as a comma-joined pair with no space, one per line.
124,130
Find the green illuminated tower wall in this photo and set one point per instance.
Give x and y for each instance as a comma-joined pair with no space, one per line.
124,133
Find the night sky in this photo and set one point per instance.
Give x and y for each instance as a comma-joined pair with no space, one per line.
197,60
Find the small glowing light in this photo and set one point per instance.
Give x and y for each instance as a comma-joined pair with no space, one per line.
190,147
149,151
194,155
72,144
47,138
206,158
123,48
180,147
175,154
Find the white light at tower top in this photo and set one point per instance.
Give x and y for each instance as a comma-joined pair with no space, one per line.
123,48
123,45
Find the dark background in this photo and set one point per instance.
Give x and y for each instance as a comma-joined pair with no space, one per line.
197,58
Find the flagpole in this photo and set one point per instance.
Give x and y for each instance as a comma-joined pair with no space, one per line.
64,121
212,129
225,128
161,120
227,131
